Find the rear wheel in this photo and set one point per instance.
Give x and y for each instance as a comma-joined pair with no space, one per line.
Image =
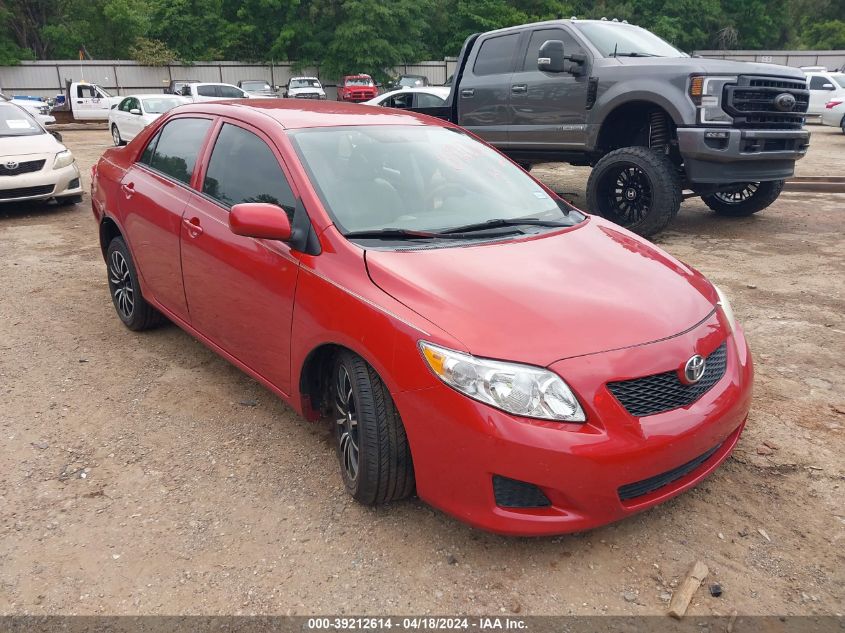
635,187
375,459
115,136
129,303
745,199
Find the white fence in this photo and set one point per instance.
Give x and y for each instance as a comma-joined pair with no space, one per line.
47,78
832,60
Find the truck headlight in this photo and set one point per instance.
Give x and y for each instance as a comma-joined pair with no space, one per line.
523,390
63,159
706,94
726,308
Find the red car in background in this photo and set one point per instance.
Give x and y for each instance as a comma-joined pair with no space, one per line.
357,88
469,335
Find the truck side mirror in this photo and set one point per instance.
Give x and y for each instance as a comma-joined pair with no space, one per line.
550,57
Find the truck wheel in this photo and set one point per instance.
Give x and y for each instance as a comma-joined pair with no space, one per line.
637,188
746,199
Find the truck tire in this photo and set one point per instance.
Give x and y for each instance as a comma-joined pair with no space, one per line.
635,187
747,199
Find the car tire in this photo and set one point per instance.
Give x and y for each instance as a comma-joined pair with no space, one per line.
115,136
125,290
842,124
372,447
746,199
635,187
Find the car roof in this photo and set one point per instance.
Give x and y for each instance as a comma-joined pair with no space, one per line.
428,89
293,114
304,77
150,95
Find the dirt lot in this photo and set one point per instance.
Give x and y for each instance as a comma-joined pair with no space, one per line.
141,473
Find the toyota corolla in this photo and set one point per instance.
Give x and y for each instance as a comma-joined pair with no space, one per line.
521,365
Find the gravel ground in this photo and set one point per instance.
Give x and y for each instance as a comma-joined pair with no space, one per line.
141,473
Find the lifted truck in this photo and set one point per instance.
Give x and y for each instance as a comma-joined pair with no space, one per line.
656,125
82,103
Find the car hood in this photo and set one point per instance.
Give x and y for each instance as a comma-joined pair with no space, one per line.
24,145
593,288
715,66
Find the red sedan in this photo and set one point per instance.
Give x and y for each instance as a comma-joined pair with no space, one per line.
523,366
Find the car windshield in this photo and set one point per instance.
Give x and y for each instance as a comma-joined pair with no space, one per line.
418,178
614,39
359,81
15,121
304,83
255,85
839,79
160,105
411,81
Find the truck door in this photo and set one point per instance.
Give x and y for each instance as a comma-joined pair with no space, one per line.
90,103
484,90
548,110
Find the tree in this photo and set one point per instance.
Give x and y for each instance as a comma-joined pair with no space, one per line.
827,35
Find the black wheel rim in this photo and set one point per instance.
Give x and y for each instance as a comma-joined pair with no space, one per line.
738,195
347,424
626,194
120,283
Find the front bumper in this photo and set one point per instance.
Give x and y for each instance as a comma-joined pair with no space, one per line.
459,444
43,184
743,156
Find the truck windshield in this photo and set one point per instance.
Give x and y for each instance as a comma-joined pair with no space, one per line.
615,39
420,178
359,81
304,83
15,121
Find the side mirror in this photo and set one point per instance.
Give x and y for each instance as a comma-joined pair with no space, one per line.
258,219
134,111
828,86
550,57
57,136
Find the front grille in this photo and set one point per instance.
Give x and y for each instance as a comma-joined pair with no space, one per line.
25,192
751,102
511,493
26,167
663,392
641,488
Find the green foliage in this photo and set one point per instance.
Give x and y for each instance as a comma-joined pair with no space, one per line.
151,52
827,35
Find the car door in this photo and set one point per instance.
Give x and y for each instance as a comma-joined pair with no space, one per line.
134,122
154,193
85,106
206,92
548,110
240,290
821,89
120,115
484,90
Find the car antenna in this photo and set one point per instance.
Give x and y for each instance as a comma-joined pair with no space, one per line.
615,49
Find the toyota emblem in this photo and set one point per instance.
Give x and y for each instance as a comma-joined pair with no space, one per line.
694,369
11,165
785,102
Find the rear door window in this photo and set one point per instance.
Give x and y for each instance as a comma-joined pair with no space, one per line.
495,57
230,92
426,100
207,91
243,168
177,146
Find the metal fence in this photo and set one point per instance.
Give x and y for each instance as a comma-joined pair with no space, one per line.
47,78
832,60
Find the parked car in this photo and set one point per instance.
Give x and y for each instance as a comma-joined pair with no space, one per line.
410,81
39,110
429,317
212,92
258,88
651,121
305,88
34,165
430,97
834,113
823,86
356,88
83,102
175,86
136,112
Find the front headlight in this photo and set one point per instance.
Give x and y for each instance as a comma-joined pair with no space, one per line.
63,159
522,390
726,308
706,94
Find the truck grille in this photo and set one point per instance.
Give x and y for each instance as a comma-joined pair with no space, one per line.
641,488
663,392
25,192
752,102
25,167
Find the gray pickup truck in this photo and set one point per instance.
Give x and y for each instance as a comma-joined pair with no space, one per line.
656,125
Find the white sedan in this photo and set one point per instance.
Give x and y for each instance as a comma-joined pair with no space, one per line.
834,113
136,112
39,110
425,97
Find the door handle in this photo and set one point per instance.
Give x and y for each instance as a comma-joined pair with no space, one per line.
79,102
128,189
519,88
466,93
193,226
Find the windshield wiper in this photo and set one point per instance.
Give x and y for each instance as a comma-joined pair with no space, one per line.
399,234
635,54
501,222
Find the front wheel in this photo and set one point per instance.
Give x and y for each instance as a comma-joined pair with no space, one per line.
115,136
375,459
635,187
745,199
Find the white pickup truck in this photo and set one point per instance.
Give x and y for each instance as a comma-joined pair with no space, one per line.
83,102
